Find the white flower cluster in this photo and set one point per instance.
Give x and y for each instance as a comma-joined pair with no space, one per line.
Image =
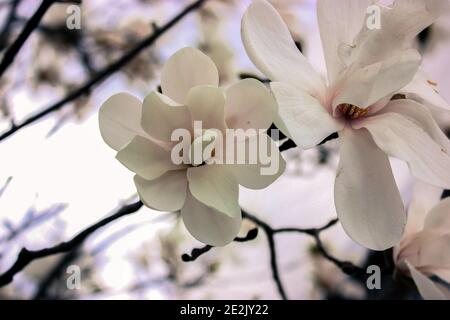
375,97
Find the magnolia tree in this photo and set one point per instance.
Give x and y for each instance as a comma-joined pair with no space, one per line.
192,143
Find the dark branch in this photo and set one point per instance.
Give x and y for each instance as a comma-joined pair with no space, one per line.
346,267
106,72
197,252
27,256
30,26
9,21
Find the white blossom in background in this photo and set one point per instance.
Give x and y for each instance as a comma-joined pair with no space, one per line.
207,195
424,251
366,70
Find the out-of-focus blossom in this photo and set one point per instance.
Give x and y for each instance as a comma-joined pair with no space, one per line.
113,43
141,132
213,43
366,68
424,252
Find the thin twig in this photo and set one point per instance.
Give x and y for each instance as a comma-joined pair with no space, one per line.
197,252
106,72
30,26
26,256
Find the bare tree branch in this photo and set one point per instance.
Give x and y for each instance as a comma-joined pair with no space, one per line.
30,26
27,256
105,72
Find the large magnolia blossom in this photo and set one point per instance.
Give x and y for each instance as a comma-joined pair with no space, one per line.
366,71
141,132
424,252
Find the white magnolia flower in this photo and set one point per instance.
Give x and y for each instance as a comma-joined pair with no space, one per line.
206,195
365,70
424,251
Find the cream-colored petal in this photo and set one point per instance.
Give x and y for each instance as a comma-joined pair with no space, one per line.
146,158
421,116
427,288
368,202
339,23
161,117
424,198
307,121
166,193
271,48
119,119
425,92
367,85
206,104
404,139
216,187
186,69
399,26
207,224
438,219
249,105
269,165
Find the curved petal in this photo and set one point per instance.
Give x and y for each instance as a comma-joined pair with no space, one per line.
399,26
249,105
425,92
161,117
271,48
119,120
339,23
365,86
402,138
269,167
206,104
427,288
208,225
421,116
304,116
166,193
186,69
216,187
438,219
367,200
146,158
423,199
428,250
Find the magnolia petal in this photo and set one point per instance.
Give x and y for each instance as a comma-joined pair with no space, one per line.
146,158
206,104
186,69
425,92
367,200
399,26
166,193
420,115
271,48
216,187
339,23
269,167
304,116
119,119
424,198
249,105
402,138
427,288
428,250
365,86
208,225
438,219
161,117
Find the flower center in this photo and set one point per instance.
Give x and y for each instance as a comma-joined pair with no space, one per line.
350,111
